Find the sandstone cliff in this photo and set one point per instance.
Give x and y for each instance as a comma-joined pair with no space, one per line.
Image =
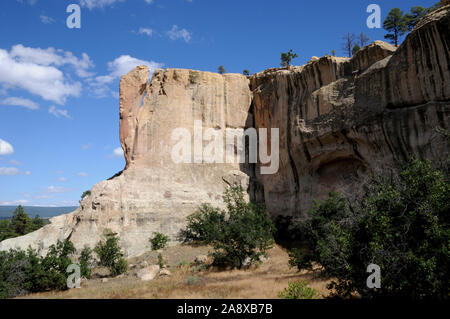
339,120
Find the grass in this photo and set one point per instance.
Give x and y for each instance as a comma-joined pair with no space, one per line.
266,281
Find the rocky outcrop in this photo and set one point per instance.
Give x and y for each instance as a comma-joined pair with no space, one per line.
153,193
339,119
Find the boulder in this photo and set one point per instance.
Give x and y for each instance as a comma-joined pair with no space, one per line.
148,273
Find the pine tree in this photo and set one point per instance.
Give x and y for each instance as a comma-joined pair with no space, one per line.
397,24
221,69
20,222
286,58
416,14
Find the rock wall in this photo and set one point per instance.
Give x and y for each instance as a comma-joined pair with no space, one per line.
153,193
339,120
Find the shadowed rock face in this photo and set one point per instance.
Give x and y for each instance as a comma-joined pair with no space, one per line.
339,120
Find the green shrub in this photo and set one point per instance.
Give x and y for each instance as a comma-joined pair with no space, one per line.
401,224
49,272
241,232
13,278
110,254
86,262
193,77
119,267
204,225
86,193
23,272
159,241
298,290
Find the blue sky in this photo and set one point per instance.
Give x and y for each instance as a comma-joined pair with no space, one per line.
59,109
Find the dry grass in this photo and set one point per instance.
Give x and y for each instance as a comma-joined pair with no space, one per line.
187,282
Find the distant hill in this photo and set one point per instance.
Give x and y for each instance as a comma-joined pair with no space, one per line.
44,212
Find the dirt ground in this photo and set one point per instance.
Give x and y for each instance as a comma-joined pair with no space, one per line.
189,281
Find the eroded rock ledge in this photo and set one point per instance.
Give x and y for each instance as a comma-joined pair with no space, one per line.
339,119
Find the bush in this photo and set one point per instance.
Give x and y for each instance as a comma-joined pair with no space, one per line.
86,262
242,232
85,193
13,278
401,224
22,272
110,254
159,241
119,267
298,290
204,225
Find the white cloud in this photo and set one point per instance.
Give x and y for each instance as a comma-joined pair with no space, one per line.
9,171
62,179
125,63
18,101
120,66
118,152
58,113
58,189
52,56
36,71
30,2
91,4
146,31
175,33
5,148
46,19
14,162
14,203
83,174
85,147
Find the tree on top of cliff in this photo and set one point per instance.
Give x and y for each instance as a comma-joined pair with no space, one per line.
287,57
363,40
355,49
416,14
246,72
221,69
348,44
397,24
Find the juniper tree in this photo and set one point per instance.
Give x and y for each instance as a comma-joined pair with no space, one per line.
396,23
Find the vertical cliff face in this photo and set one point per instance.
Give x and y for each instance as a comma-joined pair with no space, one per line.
153,193
339,119
419,72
